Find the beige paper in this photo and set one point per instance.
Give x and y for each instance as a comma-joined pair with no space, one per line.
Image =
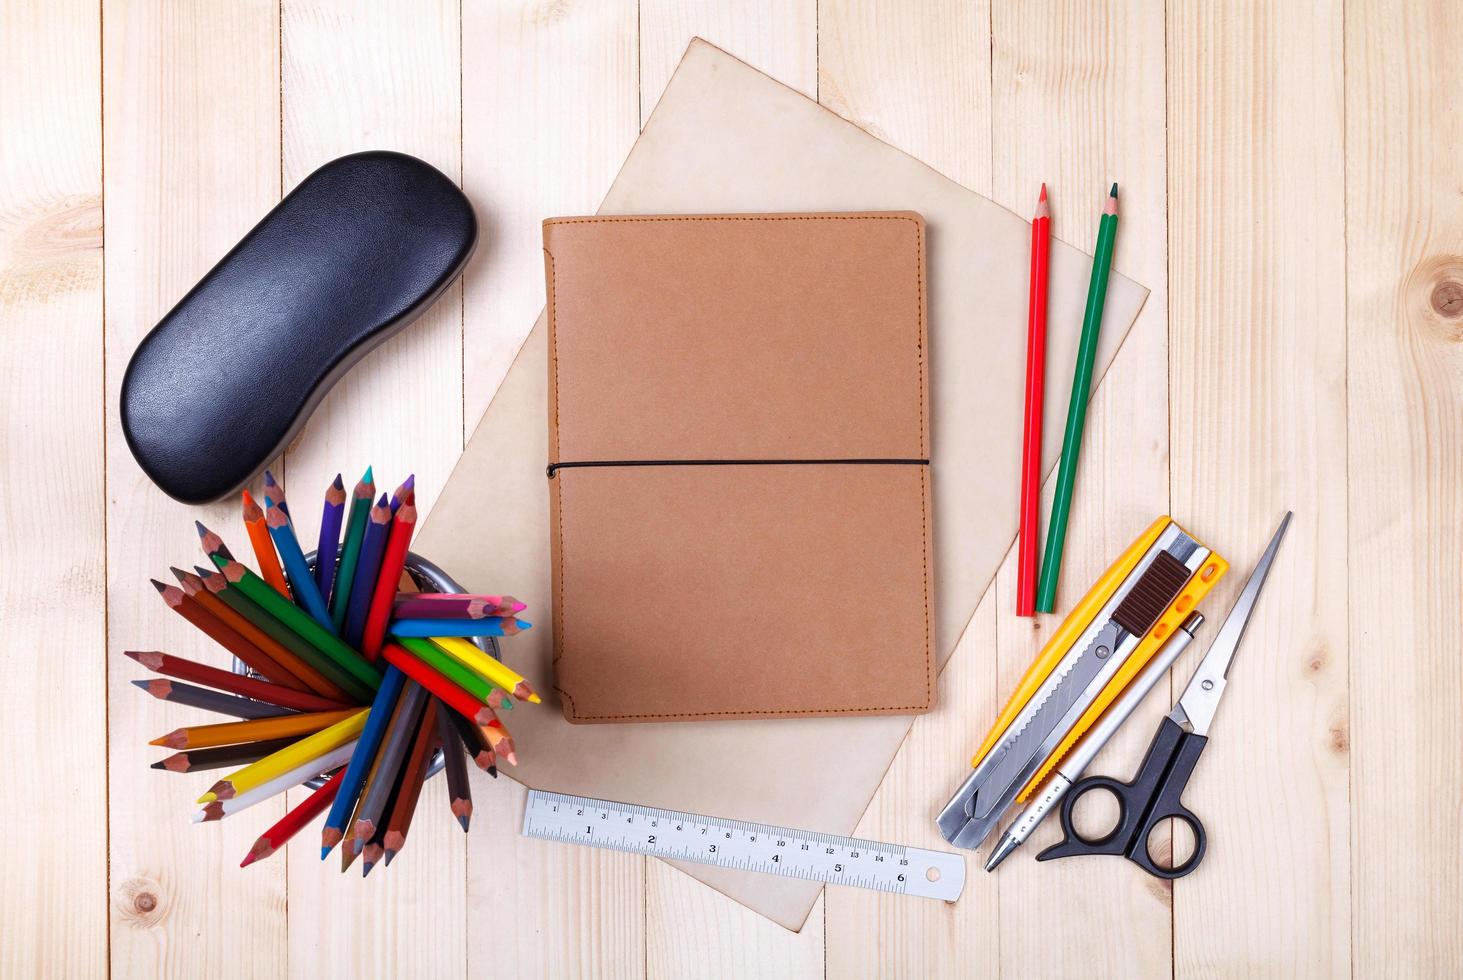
726,138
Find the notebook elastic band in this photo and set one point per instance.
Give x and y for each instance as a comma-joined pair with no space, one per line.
734,462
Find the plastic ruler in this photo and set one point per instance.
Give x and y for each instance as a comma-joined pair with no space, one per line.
677,836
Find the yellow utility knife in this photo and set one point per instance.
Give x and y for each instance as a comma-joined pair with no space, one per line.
1098,649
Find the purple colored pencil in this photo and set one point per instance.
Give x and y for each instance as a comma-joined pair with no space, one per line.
329,545
368,566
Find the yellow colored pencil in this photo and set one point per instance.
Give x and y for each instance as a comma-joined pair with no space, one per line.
234,732
290,757
493,670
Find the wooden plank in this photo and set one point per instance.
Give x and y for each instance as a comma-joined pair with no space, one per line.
779,37
54,906
1078,102
549,112
920,78
873,935
191,149
915,75
1258,375
383,76
681,913
1404,378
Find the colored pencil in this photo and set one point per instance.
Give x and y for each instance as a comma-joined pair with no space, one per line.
329,762
263,545
265,632
413,775
296,820
227,680
459,672
393,752
223,634
270,666
476,743
234,732
328,544
274,490
211,542
206,700
373,546
350,846
311,666
355,531
399,494
453,695
340,810
1026,562
435,605
1056,536
222,757
393,563
501,741
454,764
302,582
291,757
488,626
494,670
364,676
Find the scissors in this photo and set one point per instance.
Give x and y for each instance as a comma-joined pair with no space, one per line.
1154,794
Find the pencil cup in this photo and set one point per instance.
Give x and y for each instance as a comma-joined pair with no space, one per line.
428,578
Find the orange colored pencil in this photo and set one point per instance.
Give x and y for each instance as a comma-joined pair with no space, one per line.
500,740
393,562
269,566
234,732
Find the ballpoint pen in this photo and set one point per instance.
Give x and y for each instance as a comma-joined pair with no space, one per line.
1072,765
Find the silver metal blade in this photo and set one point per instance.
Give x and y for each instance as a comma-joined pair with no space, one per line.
1196,707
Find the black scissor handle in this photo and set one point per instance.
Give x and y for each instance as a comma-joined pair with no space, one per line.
1152,796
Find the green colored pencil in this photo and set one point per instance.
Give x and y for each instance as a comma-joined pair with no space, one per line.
463,676
1056,537
279,632
365,676
355,532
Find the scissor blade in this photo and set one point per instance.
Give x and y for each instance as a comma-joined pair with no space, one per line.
1195,709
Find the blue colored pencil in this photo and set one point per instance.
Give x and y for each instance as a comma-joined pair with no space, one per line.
368,566
360,764
274,490
302,583
329,545
488,626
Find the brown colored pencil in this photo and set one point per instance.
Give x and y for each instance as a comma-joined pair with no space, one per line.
206,700
234,732
227,680
223,634
289,649
280,672
211,542
454,764
413,774
476,743
223,757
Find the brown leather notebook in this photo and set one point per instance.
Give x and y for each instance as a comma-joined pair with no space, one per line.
738,472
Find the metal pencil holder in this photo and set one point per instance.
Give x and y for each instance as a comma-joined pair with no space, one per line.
428,578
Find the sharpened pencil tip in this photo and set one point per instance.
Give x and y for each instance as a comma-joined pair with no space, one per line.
324,853
1043,192
464,819
336,483
158,585
369,477
1114,191
201,529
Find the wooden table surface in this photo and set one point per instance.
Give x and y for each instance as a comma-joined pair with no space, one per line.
1292,194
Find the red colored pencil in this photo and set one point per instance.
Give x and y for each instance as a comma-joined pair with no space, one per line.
453,696
293,822
227,680
1026,559
393,562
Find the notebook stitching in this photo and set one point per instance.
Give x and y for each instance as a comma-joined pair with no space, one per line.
924,510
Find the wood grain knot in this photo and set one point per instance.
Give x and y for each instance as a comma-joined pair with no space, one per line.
1447,298
1340,739
1433,296
139,903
